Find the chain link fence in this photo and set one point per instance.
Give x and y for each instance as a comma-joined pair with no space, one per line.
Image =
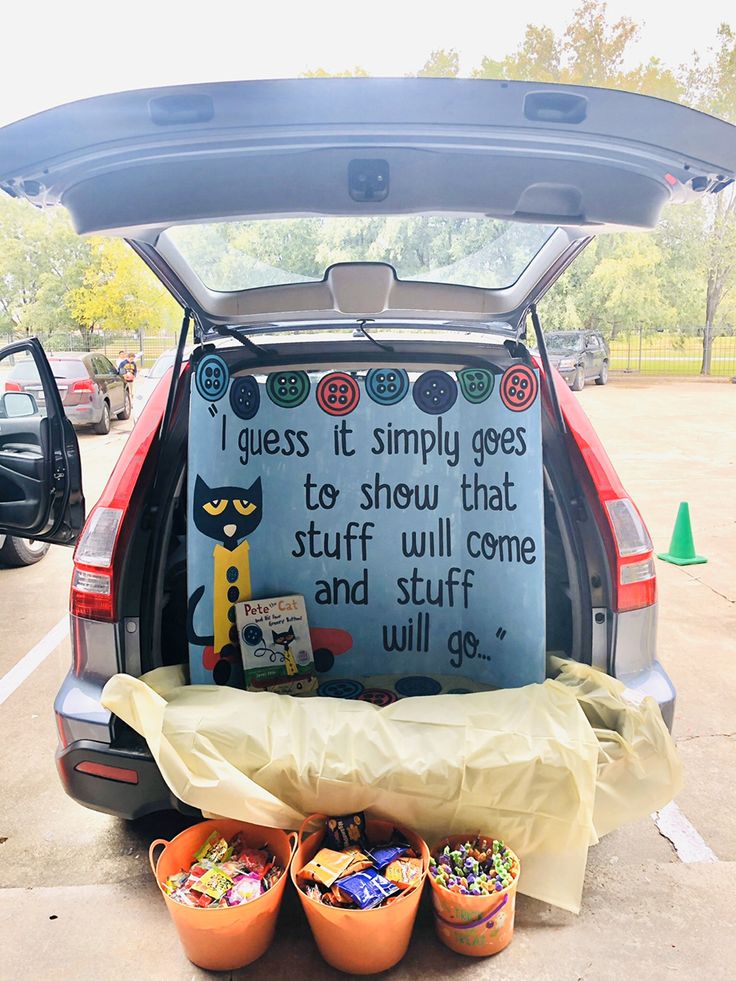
681,351
642,351
146,346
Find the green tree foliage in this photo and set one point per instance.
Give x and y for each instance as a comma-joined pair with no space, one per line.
441,64
684,274
355,72
36,253
52,280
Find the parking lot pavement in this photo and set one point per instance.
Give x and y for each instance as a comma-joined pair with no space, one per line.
77,899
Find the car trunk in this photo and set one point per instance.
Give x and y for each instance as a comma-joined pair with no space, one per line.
572,545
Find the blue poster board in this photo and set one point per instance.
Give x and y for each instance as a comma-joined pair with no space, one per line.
405,506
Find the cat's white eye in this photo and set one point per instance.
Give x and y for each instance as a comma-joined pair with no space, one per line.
244,507
216,507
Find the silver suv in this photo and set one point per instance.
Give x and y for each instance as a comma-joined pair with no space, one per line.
507,182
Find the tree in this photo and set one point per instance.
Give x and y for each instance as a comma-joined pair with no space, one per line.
592,49
355,72
711,86
441,63
40,257
51,279
118,292
538,58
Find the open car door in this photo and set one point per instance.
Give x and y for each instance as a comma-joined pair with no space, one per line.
40,473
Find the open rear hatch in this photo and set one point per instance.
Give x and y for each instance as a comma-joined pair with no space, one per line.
137,163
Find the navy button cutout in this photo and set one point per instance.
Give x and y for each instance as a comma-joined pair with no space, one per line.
341,688
417,685
435,392
245,398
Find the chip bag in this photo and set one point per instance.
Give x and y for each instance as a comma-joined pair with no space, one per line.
326,866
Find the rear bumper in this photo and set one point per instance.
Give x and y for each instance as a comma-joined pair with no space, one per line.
127,800
633,642
656,683
87,732
83,415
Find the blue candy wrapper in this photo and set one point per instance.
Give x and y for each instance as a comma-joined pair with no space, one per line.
383,855
367,889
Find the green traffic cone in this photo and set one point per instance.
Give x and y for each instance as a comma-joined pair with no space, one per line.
682,547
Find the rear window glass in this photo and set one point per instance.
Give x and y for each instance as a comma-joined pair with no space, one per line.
564,342
68,368
464,250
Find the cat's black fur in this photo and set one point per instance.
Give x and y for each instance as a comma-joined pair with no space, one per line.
213,525
284,638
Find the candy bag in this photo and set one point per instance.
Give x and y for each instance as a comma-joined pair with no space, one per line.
326,866
214,883
247,888
359,861
346,831
367,889
254,859
404,872
382,855
214,850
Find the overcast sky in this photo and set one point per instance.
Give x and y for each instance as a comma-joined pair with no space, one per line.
56,52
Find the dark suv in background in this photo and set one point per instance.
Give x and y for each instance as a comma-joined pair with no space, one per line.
91,390
579,356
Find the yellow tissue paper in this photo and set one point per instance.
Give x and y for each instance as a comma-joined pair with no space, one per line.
547,767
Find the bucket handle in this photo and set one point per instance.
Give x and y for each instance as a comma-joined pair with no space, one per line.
303,829
488,919
152,846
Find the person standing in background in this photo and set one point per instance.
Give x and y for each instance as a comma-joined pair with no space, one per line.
128,369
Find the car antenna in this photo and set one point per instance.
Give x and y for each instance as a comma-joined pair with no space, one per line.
542,346
364,332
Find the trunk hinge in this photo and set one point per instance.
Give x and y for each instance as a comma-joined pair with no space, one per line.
542,346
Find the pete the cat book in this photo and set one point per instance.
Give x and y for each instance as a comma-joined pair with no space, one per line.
275,645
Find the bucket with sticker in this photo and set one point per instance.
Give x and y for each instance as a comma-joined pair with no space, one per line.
474,925
227,937
360,941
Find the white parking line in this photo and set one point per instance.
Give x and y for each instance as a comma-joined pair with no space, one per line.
30,661
689,844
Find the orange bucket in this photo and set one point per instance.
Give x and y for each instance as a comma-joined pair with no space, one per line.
226,938
360,941
473,925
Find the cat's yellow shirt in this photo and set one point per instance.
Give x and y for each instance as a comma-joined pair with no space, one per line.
231,584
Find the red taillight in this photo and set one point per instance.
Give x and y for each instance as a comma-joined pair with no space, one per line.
627,540
85,385
97,558
119,773
12,387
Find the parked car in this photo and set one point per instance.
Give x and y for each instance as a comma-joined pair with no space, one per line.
579,356
516,177
19,551
91,390
148,379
